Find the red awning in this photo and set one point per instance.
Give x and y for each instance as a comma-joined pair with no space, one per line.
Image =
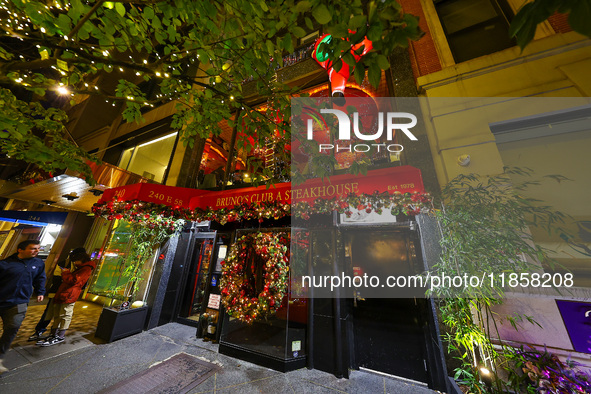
394,179
229,198
151,192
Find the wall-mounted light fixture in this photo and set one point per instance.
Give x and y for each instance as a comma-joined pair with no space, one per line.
71,196
48,202
96,192
464,160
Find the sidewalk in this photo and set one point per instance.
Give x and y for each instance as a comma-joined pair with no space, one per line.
81,366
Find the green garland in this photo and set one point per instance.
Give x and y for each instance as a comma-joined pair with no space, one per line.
138,211
153,223
241,296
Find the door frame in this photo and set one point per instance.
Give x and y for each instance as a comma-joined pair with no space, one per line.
209,234
436,366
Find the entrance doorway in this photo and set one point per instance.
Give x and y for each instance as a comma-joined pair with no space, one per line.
197,279
199,302
389,333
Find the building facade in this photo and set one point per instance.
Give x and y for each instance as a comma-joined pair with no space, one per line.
465,54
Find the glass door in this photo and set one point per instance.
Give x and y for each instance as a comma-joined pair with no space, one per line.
197,279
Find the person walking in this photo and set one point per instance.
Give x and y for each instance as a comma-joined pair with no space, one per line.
20,274
56,281
66,296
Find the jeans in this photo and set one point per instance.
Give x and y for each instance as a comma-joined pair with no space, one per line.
12,318
41,327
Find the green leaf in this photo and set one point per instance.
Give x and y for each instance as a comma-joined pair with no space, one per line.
349,59
287,43
383,62
309,23
338,31
74,79
270,48
76,9
298,32
322,14
171,30
120,8
357,21
148,12
65,23
359,73
303,6
374,75
375,32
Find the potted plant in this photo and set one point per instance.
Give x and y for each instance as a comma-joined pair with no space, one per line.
147,232
485,225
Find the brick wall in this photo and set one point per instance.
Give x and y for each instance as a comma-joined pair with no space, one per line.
559,23
423,55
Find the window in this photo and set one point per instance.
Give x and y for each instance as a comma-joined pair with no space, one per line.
475,27
556,144
149,159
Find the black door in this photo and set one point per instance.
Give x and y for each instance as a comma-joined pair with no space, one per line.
389,333
389,337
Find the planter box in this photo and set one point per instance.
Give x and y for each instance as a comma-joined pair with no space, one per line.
114,324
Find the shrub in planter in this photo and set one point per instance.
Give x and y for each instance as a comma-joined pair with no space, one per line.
543,372
149,226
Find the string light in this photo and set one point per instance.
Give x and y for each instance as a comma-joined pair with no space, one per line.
63,90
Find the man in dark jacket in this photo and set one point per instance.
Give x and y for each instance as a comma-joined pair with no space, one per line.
20,274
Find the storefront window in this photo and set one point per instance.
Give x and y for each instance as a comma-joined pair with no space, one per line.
149,159
108,281
281,336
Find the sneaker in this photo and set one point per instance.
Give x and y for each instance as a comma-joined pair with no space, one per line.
42,340
38,336
2,367
52,341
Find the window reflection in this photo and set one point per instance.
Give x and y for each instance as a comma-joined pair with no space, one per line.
149,159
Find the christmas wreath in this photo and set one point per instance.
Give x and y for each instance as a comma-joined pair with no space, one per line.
254,276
